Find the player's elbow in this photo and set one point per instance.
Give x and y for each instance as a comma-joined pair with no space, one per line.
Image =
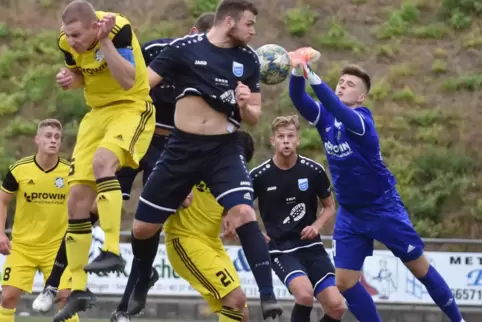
329,206
252,116
128,82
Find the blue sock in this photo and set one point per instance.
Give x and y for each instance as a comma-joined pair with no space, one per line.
361,304
131,282
257,254
301,313
441,294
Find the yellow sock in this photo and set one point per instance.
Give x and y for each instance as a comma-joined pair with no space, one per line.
7,315
75,318
77,241
228,314
109,204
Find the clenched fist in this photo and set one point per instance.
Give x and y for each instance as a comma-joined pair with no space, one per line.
65,78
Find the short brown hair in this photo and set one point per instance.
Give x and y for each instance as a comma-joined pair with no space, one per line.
233,8
284,121
359,72
204,22
79,10
50,122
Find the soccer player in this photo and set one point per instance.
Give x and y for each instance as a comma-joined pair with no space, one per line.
288,187
217,82
40,185
370,206
163,97
104,56
197,254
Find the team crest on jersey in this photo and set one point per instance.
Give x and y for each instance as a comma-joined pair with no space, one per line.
238,69
303,184
99,56
59,182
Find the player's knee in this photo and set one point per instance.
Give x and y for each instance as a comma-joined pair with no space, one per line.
305,297
105,163
335,307
10,297
236,299
346,279
144,230
241,214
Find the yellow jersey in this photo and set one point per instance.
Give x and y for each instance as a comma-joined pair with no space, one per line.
101,89
41,207
202,219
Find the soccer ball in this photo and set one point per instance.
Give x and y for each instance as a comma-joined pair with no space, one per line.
275,64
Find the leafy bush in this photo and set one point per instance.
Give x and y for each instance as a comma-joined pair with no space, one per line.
299,20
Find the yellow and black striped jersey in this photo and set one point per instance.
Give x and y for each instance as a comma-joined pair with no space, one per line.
41,206
101,88
202,219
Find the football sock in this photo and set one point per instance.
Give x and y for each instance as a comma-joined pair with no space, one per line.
228,314
61,260
59,267
93,218
257,254
145,251
327,318
131,282
361,304
301,313
78,240
109,205
7,315
75,318
441,294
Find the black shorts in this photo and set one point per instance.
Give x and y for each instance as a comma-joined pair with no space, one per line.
126,175
188,159
313,262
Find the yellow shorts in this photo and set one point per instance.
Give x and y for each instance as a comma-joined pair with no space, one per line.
209,270
126,129
22,265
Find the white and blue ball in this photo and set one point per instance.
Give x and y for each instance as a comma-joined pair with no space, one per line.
275,64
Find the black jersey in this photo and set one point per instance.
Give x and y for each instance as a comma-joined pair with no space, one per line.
163,95
199,68
288,200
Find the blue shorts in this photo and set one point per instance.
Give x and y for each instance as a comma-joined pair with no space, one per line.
312,262
188,159
126,175
356,230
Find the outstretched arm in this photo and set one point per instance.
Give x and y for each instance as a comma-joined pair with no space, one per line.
308,108
350,118
353,120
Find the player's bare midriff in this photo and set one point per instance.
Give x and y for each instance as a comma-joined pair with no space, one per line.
193,115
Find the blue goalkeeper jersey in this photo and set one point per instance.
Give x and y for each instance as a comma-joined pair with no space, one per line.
359,175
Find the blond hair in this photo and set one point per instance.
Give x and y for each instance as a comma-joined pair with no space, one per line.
284,121
50,122
79,10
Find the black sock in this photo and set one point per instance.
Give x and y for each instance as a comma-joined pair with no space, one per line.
301,313
59,267
145,250
327,318
131,282
257,254
93,218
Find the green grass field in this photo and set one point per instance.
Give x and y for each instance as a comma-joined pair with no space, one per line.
49,319
46,319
